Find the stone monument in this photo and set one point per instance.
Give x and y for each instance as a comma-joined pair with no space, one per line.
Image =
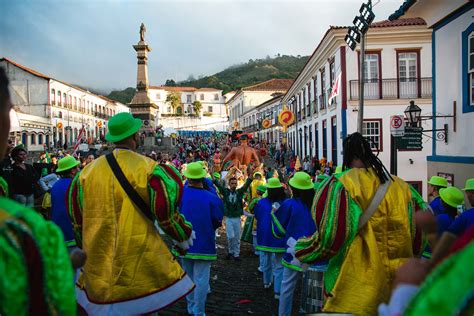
141,105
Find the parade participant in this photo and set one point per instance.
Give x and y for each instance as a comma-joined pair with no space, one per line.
366,229
257,181
261,190
271,248
242,154
424,289
460,225
113,204
23,178
466,219
233,210
37,277
204,210
435,184
67,169
90,158
290,222
451,199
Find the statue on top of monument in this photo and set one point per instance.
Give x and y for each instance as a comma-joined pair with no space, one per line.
142,32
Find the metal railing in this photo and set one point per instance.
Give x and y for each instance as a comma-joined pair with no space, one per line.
391,89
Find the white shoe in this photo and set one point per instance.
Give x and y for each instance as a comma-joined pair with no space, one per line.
277,296
267,286
260,269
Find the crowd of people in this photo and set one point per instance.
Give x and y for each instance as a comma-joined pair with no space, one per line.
99,246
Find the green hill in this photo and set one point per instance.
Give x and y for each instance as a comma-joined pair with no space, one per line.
237,76
123,96
251,72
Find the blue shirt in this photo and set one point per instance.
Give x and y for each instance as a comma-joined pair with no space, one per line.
437,206
208,185
295,219
443,221
59,213
462,222
266,241
205,211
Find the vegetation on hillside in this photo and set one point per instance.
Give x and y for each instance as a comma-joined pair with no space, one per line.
122,96
235,77
251,72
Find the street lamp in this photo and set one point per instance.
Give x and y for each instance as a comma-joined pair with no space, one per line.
413,114
414,117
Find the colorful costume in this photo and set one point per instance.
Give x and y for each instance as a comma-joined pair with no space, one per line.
3,187
362,264
37,276
205,211
271,248
129,267
59,214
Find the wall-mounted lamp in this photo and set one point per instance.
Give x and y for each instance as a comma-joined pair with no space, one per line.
414,118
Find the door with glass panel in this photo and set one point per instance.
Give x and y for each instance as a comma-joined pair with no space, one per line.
371,75
407,74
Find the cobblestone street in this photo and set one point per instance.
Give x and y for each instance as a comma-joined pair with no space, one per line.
237,287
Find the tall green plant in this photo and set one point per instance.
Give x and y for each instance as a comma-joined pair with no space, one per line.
174,100
197,106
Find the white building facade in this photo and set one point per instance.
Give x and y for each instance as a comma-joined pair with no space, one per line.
453,84
52,113
398,69
212,115
268,110
250,97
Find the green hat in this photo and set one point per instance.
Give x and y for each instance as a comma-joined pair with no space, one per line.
438,181
452,196
217,175
195,170
67,163
301,180
121,126
262,188
338,170
257,172
274,183
469,185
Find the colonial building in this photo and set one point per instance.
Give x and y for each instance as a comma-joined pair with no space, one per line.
268,110
249,97
452,47
211,113
52,112
398,69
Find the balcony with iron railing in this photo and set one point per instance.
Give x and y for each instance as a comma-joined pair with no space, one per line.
391,89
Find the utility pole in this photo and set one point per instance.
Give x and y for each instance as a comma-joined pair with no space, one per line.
360,121
356,34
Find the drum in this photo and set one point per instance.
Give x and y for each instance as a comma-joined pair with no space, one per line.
247,231
312,291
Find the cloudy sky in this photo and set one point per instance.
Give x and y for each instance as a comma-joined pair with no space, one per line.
89,42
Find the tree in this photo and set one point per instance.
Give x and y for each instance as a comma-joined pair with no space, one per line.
170,83
197,106
174,99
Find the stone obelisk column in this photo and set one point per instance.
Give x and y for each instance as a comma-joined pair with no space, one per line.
141,105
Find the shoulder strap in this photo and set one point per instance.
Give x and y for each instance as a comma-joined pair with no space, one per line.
127,187
374,203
